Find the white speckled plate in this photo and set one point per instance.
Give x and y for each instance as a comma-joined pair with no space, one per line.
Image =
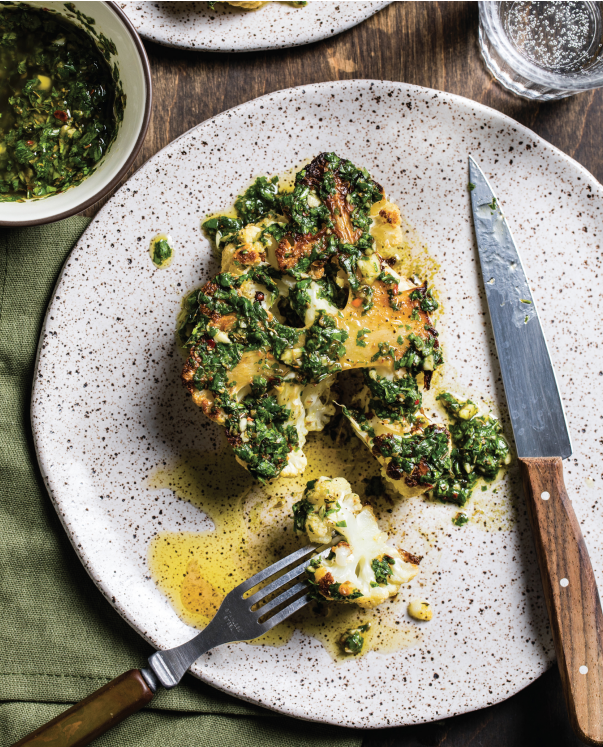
226,28
108,406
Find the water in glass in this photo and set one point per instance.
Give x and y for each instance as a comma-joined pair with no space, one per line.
543,50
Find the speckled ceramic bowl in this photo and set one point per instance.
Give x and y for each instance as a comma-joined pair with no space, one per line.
226,28
108,408
135,75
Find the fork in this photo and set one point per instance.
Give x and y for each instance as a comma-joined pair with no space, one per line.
241,617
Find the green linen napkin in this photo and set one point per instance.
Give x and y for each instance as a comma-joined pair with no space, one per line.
59,637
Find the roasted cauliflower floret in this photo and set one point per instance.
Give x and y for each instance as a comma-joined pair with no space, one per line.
321,500
251,245
362,568
315,399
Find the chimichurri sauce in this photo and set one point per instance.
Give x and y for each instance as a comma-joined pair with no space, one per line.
57,104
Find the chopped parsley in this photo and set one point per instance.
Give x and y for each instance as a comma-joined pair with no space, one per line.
301,509
398,399
419,458
360,341
259,200
423,355
323,349
382,568
161,252
223,224
425,298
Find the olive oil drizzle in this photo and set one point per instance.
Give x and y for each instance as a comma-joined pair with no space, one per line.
252,528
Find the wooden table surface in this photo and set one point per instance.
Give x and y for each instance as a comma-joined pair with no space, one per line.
432,44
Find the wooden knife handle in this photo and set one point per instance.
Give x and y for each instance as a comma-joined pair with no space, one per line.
571,594
93,716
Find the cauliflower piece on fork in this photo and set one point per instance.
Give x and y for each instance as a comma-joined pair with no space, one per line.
362,567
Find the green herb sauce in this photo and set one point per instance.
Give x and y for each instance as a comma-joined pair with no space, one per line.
381,569
422,457
479,450
161,251
352,641
59,110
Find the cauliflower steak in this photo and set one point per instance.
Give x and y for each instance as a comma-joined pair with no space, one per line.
308,288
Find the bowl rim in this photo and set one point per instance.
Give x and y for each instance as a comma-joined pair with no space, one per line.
146,68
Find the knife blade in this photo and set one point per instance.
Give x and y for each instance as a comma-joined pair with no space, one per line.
542,440
535,406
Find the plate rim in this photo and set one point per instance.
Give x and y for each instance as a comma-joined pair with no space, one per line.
363,84
288,44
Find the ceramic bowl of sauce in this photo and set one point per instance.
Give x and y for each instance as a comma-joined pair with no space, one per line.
75,103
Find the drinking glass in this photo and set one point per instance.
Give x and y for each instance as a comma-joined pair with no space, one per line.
543,50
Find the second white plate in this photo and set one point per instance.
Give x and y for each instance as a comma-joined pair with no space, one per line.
226,28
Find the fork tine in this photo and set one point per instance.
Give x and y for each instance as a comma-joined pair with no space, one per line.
274,568
277,584
281,599
296,605
294,557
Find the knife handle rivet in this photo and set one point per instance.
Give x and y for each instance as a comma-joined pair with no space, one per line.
583,669
564,582
545,496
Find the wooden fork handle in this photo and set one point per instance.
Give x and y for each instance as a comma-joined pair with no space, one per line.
571,594
93,716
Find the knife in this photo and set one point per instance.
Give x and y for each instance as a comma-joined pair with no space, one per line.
542,441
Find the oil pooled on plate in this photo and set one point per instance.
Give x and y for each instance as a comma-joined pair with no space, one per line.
253,528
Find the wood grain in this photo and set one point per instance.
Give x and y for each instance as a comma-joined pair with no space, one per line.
93,716
571,594
432,44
